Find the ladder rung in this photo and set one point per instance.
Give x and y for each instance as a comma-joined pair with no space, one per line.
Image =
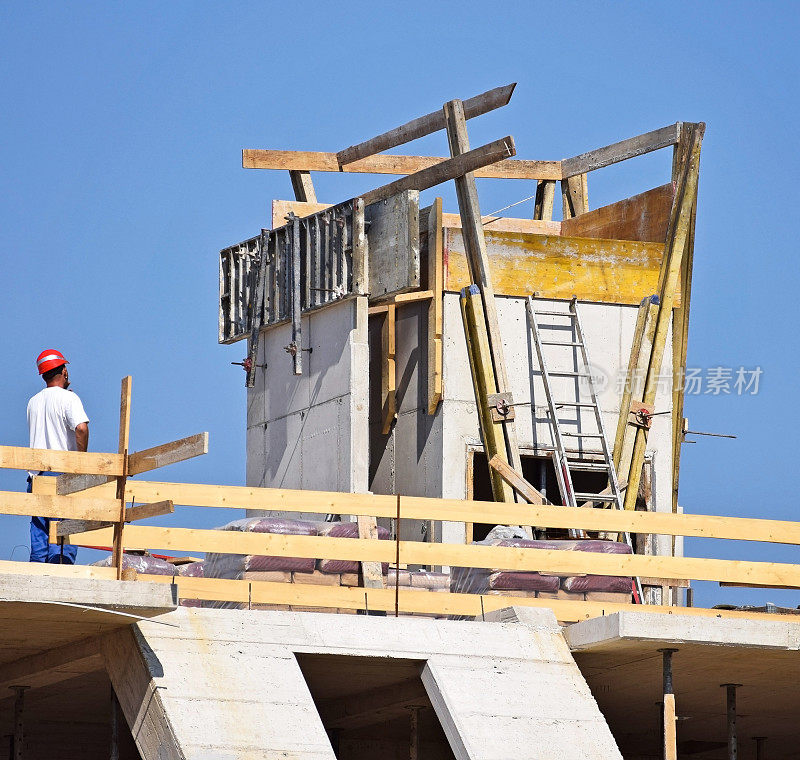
559,343
582,435
587,466
595,497
554,314
581,404
564,373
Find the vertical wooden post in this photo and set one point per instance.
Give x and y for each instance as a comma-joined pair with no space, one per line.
124,443
483,381
574,195
478,261
435,308
388,370
670,738
733,745
413,739
303,186
677,236
371,571
19,722
545,195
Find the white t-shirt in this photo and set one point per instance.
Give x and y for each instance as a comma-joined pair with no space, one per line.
53,415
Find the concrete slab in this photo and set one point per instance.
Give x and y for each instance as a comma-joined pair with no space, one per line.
226,684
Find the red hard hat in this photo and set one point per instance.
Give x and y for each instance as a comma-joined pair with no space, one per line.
49,359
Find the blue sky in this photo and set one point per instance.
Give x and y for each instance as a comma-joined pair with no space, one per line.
122,129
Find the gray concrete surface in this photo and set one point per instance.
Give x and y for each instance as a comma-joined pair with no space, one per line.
229,685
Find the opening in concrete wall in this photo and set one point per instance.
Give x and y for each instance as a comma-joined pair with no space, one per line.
69,719
539,472
374,707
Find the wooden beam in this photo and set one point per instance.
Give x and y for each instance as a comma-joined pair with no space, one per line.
389,164
281,209
574,197
303,186
124,447
451,168
422,508
146,511
371,572
68,484
37,670
677,237
61,528
388,371
425,125
436,306
545,195
49,460
373,706
454,555
398,299
88,508
440,603
480,272
168,453
484,385
516,481
621,151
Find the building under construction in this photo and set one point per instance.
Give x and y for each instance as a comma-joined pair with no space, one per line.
460,536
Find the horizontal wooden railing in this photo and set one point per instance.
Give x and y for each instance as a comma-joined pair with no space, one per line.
98,503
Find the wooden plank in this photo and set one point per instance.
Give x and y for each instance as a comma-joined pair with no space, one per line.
484,385
670,719
621,151
478,260
303,186
68,484
441,603
49,460
453,510
545,195
146,511
401,298
607,271
574,197
389,164
451,168
61,528
388,371
642,217
516,481
281,209
168,453
679,228
454,555
436,306
424,125
84,508
371,572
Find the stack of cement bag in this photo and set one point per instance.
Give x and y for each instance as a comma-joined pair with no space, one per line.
546,585
304,570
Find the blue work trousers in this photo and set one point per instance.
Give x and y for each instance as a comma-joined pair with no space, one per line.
41,548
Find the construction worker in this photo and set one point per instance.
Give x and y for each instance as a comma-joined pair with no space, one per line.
56,420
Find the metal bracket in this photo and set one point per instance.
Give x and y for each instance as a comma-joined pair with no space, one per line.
642,415
501,406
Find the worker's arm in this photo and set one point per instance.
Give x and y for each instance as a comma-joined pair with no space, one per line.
82,436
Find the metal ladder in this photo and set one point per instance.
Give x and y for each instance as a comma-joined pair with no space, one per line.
563,465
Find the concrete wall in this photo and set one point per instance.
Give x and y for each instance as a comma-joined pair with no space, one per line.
427,456
310,431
